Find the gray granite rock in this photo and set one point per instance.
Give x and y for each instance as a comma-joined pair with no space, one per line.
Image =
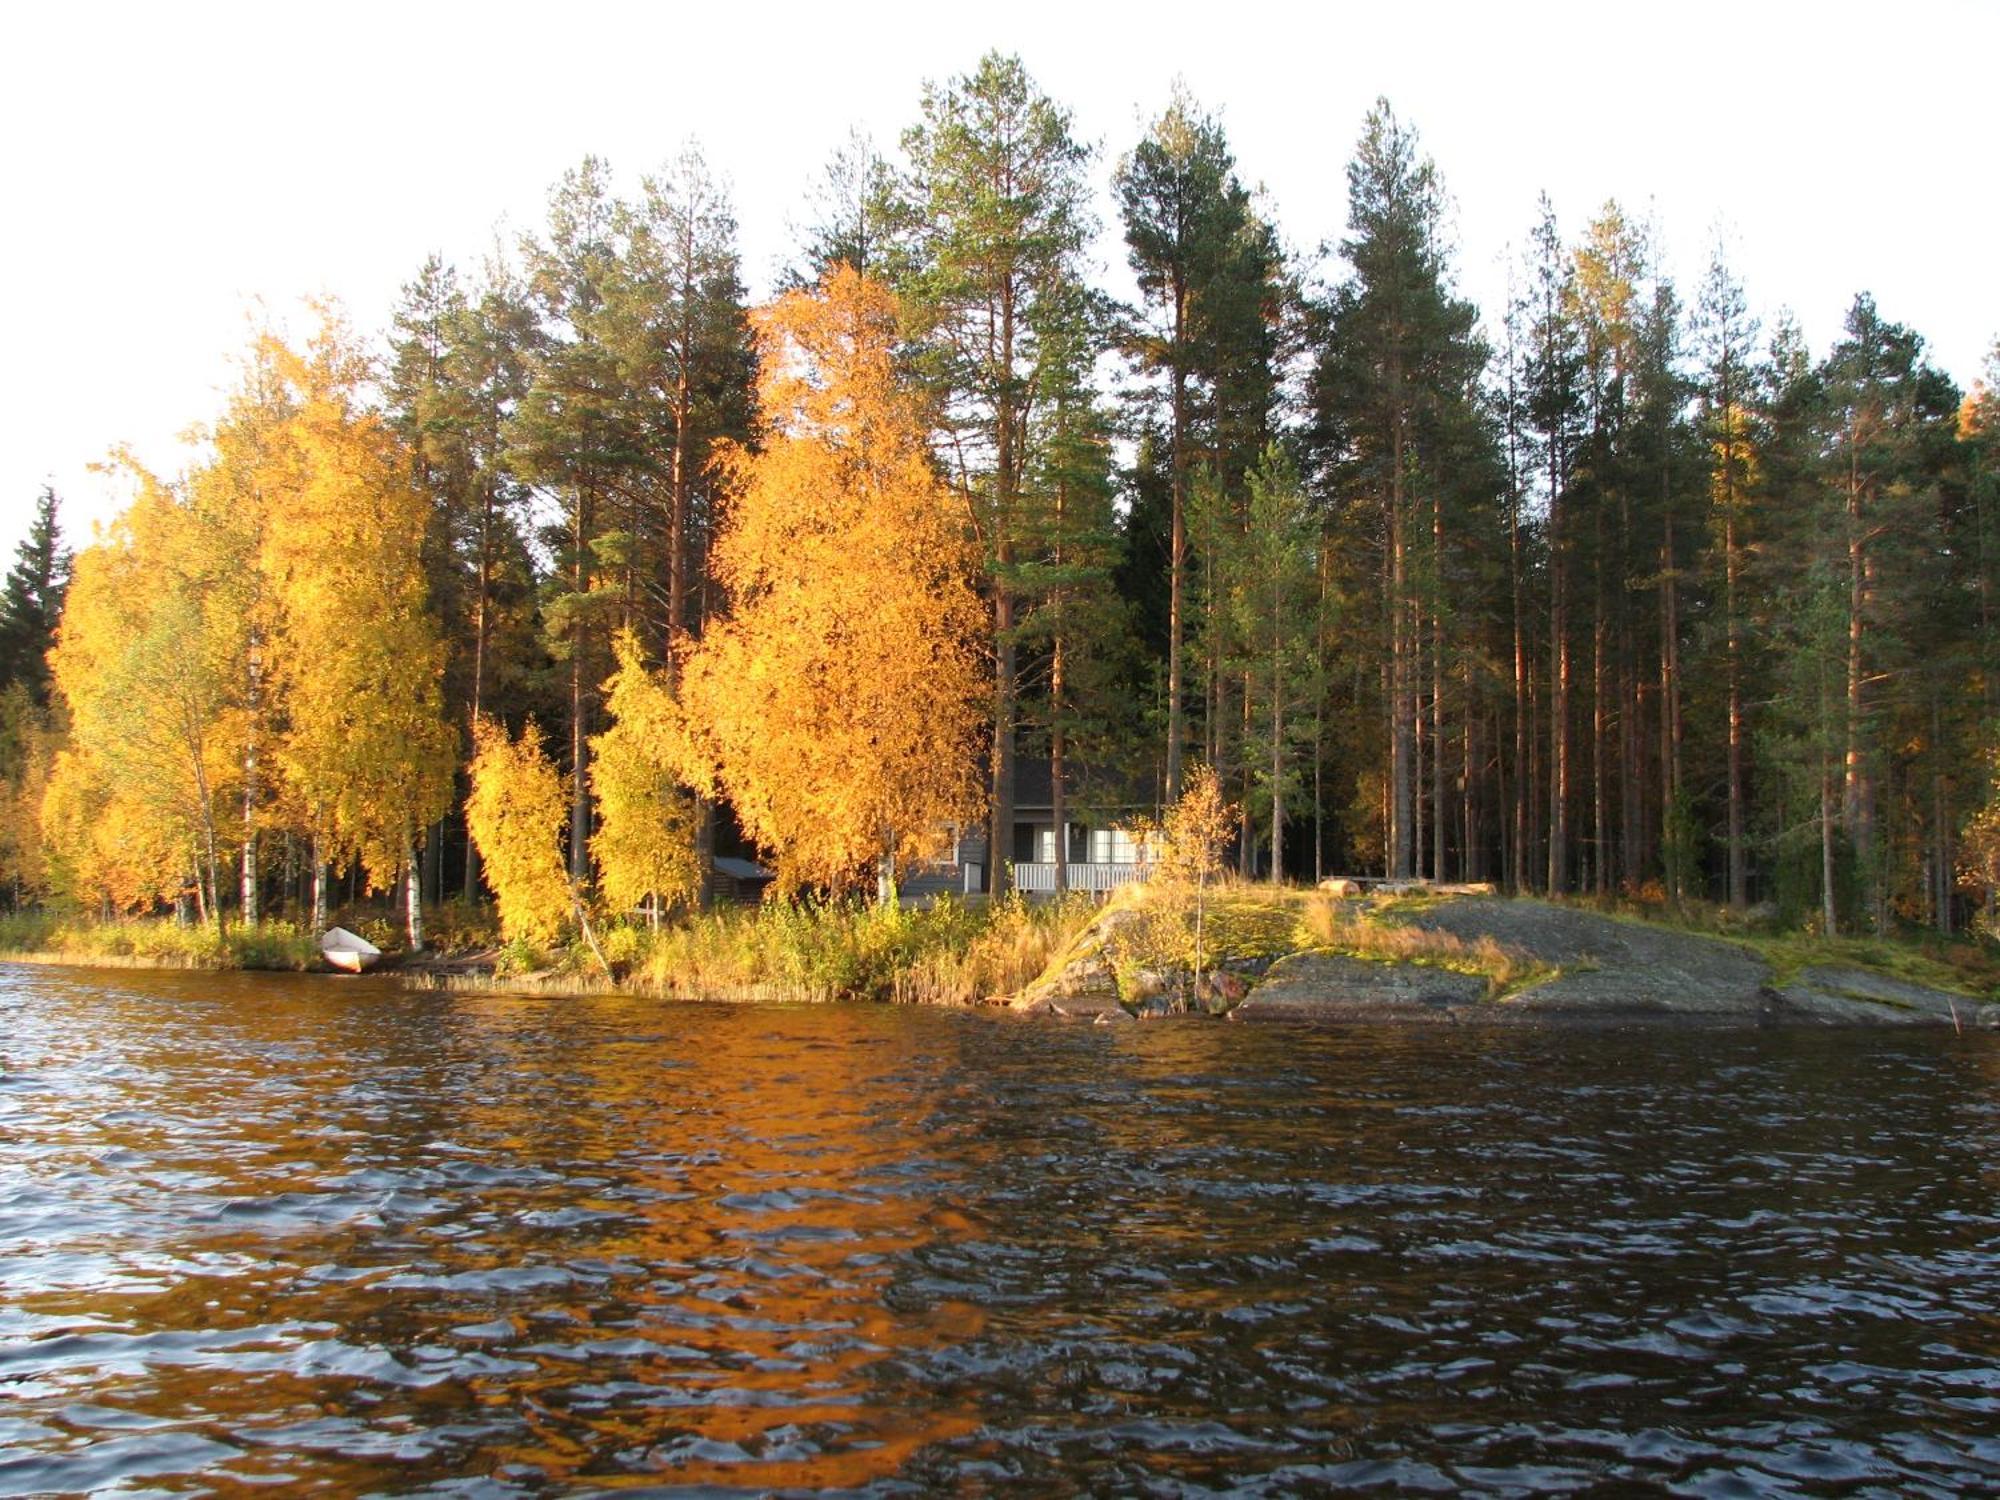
1331,987
1613,968
1838,996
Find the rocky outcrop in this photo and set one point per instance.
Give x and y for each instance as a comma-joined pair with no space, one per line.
1604,969
1855,997
1610,967
1083,985
1332,987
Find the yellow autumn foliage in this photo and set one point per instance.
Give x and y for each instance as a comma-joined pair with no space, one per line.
358,660
516,810
839,703
644,844
144,666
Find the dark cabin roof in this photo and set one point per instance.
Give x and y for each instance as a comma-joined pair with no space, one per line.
1091,789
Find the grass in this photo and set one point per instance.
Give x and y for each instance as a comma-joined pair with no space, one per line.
1380,932
1960,968
945,954
158,942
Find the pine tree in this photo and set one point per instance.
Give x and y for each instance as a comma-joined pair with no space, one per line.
1728,335
994,217
1396,367
1270,573
1554,406
852,215
1888,422
570,438
1074,630
685,367
1188,223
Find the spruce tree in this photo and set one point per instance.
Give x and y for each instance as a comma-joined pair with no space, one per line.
31,605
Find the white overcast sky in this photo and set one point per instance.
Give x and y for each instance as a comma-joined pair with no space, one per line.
164,165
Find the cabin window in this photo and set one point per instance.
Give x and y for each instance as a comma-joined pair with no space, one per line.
1035,843
1113,846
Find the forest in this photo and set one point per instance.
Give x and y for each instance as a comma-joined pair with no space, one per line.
585,567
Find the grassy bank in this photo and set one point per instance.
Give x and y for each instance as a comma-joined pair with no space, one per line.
949,954
1245,923
144,942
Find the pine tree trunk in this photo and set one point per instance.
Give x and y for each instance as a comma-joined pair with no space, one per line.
1600,840
579,739
1246,833
1670,716
1559,689
1739,864
1177,546
1277,750
1058,772
1471,861
481,634
1440,817
1519,817
1856,813
1402,751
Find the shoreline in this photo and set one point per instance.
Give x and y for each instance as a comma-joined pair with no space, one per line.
1413,958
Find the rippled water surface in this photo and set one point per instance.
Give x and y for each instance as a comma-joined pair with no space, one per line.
317,1234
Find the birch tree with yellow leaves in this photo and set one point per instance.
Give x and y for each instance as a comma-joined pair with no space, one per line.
367,754
516,813
146,666
646,819
840,703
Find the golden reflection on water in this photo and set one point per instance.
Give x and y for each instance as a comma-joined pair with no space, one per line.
764,1198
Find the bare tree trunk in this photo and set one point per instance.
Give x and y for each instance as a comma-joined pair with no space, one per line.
1001,834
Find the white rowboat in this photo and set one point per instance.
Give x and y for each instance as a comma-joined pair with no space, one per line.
346,950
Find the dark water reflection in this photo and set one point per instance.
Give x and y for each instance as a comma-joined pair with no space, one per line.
326,1235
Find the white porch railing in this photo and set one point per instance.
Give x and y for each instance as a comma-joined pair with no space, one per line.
1040,879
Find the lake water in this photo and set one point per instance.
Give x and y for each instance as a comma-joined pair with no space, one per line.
322,1234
